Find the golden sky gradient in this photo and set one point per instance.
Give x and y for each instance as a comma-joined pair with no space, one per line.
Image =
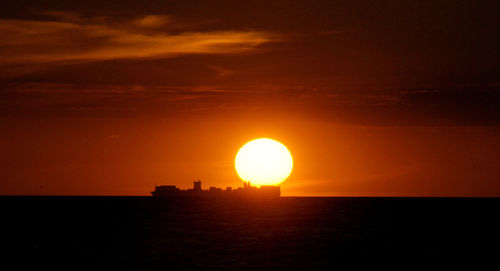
372,99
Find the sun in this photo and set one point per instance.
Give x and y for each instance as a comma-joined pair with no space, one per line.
264,161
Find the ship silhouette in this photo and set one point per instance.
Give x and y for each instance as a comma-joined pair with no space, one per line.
171,191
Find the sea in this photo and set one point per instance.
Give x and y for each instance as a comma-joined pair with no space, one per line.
287,233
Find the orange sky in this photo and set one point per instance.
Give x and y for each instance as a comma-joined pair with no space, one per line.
386,99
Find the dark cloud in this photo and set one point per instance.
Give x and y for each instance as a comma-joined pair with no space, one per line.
461,107
449,107
389,63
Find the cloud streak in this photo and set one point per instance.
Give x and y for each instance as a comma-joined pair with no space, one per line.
31,41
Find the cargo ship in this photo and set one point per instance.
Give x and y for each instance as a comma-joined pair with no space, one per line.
169,191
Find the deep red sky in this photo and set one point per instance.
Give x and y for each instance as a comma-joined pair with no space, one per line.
387,98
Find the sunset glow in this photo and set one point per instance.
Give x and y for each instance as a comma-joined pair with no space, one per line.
250,135
264,161
389,99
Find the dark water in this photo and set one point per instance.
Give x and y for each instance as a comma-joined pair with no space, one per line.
142,233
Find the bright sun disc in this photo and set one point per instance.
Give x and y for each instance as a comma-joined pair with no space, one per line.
264,161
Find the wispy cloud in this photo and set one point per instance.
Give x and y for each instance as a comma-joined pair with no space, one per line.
152,21
68,38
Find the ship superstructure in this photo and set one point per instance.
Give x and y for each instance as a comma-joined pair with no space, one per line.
197,191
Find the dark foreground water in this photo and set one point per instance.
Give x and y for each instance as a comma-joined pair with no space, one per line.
143,233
